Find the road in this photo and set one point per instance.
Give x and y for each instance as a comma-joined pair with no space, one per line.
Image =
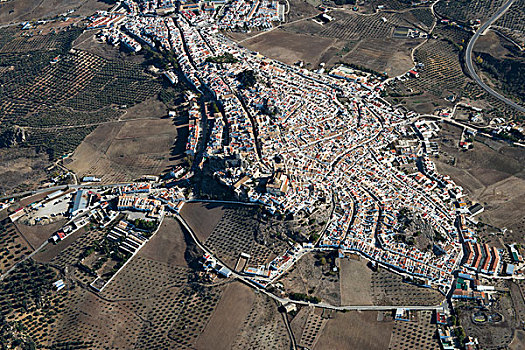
284,301
470,66
63,187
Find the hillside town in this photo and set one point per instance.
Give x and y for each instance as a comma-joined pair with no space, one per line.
288,140
309,138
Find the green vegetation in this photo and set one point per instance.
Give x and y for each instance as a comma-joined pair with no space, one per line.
26,287
72,345
247,78
60,95
116,83
146,225
510,72
459,332
28,290
108,250
345,2
64,117
57,142
168,95
226,58
305,297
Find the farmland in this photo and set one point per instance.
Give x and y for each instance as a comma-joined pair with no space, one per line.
389,289
236,230
157,300
349,38
354,283
299,228
13,247
492,173
464,10
355,330
20,10
126,150
420,334
440,77
54,97
512,22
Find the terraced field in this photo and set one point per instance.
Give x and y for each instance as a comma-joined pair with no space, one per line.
54,87
466,10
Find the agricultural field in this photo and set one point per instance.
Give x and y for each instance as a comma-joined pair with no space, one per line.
13,246
20,10
263,327
230,317
203,217
356,330
308,325
235,234
392,4
29,302
158,300
512,23
418,334
492,174
440,77
463,11
353,283
54,97
350,37
126,150
235,230
388,288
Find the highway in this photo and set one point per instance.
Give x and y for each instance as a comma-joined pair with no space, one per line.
470,66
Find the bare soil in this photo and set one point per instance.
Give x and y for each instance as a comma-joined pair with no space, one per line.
52,250
38,234
491,173
168,245
202,217
227,319
89,43
355,330
125,151
21,169
355,282
290,47
308,277
21,10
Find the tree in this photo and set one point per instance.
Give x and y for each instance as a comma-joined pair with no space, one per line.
247,78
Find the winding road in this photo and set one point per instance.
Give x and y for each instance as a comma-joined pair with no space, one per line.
470,66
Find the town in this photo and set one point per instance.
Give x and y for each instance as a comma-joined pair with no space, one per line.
289,140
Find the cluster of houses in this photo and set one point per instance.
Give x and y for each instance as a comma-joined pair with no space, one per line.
306,136
194,127
260,14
